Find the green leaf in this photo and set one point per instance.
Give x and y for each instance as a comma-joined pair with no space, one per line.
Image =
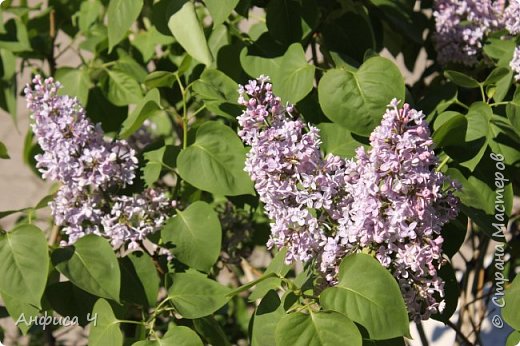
454,234
185,27
147,41
278,267
24,264
220,10
317,329
196,234
3,151
210,329
369,295
513,339
157,160
8,66
139,279
337,140
452,131
194,295
256,65
477,136
502,51
158,79
69,300
215,162
16,308
219,93
15,39
357,100
146,108
122,89
350,33
512,304
91,265
128,65
89,12
8,96
479,193
504,140
175,336
266,318
43,203
181,336
106,329
283,19
76,82
496,75
101,110
461,79
513,111
121,14
295,77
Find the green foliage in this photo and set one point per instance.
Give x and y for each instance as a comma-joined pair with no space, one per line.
215,161
369,295
317,329
3,151
106,329
357,99
196,235
511,304
177,64
91,265
185,27
24,277
195,296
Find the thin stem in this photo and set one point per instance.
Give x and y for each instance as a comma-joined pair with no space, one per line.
496,104
459,333
483,93
443,163
54,235
199,110
458,103
422,334
184,113
141,323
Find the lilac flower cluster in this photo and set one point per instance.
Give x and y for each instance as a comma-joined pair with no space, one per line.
515,63
461,26
388,201
290,174
512,17
401,205
89,169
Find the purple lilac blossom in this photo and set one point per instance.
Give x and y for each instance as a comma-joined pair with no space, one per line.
461,27
515,64
400,206
512,17
388,201
89,169
133,218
